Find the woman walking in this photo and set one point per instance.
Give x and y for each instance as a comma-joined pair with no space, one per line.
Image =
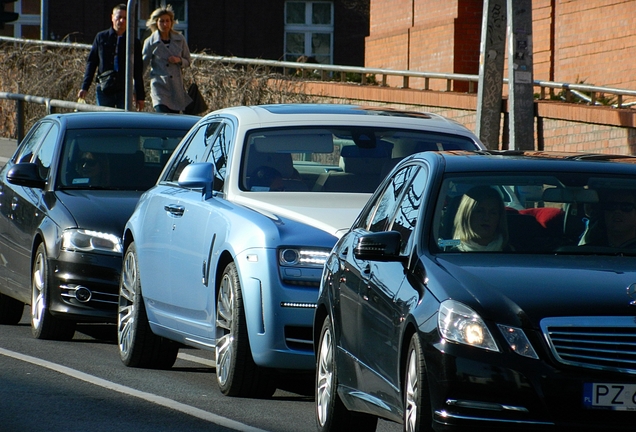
167,52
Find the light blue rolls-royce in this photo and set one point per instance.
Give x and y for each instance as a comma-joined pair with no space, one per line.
226,251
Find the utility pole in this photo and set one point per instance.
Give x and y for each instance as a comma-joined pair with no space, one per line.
491,71
520,77
131,20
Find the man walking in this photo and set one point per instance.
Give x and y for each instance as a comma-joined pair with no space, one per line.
108,58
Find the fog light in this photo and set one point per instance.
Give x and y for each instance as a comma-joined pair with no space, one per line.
82,294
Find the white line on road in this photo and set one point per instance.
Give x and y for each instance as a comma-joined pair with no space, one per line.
195,359
159,400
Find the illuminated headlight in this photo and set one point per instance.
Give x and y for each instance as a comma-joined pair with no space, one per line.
459,323
301,257
90,241
518,341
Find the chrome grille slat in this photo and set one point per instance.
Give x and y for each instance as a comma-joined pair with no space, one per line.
605,343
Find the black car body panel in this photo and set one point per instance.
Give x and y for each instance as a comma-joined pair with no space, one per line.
43,195
555,311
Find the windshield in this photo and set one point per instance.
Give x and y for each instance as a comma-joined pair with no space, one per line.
534,213
333,159
122,159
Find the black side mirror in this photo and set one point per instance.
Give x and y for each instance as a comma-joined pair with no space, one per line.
26,174
380,246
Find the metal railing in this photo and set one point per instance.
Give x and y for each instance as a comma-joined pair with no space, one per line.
586,93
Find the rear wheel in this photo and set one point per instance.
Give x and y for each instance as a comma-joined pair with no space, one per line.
417,405
43,324
236,372
10,310
331,414
138,345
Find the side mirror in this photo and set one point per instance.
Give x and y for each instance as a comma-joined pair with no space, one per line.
380,246
26,174
198,176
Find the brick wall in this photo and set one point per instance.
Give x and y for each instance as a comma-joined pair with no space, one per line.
588,41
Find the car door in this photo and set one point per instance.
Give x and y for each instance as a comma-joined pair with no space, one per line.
381,317
27,208
166,219
195,237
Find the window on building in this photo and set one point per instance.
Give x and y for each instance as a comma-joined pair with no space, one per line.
309,30
28,24
146,7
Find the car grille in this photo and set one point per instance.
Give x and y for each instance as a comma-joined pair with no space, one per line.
605,343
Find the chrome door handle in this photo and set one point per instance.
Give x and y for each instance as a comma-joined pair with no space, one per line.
174,209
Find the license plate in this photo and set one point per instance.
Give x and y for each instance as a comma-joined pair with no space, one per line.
612,396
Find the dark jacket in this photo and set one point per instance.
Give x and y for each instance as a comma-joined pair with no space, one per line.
102,58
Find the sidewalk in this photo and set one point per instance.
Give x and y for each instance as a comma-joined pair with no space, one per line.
7,148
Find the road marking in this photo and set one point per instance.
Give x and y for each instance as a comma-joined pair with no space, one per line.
195,359
149,397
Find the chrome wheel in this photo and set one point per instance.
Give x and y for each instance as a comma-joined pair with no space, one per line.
224,330
410,393
324,378
418,416
38,300
127,309
43,324
138,345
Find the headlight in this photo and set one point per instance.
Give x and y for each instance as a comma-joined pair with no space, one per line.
459,323
90,241
518,341
302,257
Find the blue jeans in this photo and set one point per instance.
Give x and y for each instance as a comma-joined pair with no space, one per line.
117,100
164,109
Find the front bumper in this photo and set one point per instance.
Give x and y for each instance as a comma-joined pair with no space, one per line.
84,287
475,390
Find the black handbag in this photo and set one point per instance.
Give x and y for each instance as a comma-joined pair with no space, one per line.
198,105
109,82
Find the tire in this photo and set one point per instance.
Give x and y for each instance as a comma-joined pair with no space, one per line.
417,404
10,310
236,372
43,324
331,414
138,345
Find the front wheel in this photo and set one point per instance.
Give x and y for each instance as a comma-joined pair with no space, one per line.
138,345
43,324
331,414
417,405
236,372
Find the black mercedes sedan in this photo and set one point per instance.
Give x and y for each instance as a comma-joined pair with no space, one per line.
488,291
65,197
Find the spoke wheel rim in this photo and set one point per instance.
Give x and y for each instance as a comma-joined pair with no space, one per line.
224,330
324,378
411,394
38,301
127,304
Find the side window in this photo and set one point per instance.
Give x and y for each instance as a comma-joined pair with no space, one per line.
218,154
25,152
386,206
46,152
193,151
409,209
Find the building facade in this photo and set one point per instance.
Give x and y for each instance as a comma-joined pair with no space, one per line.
331,32
574,41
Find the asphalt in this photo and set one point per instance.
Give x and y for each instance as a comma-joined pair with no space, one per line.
7,148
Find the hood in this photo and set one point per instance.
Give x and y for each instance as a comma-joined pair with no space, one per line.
104,211
330,212
521,290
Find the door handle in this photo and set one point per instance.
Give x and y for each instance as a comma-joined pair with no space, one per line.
14,203
174,209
